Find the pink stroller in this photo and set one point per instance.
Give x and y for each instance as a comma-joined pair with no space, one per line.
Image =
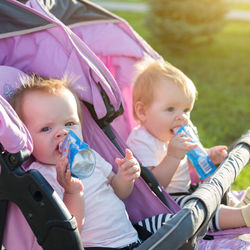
47,47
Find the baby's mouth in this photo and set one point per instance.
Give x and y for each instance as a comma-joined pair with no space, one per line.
58,148
174,130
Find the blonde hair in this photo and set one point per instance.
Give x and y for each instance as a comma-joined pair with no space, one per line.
151,73
51,86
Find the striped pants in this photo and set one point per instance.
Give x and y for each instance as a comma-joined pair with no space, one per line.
152,224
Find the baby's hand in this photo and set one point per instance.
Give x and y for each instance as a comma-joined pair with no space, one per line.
129,167
70,184
179,145
217,154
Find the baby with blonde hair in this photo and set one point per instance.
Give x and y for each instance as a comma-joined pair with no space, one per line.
163,98
150,75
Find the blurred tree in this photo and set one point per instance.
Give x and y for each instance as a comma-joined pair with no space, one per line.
181,24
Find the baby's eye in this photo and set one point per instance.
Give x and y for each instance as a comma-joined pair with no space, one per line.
68,124
45,129
170,109
186,110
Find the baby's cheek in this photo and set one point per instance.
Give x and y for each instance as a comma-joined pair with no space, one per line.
78,132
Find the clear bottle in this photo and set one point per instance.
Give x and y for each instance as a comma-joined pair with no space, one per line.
81,157
198,156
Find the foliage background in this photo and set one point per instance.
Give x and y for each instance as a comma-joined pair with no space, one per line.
184,24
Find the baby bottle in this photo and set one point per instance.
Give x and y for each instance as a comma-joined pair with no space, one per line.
198,156
81,157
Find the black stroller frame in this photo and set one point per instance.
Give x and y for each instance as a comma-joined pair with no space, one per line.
48,218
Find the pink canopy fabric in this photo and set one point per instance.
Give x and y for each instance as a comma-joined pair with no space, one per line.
14,136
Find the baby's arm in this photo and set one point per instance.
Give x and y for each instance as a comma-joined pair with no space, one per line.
177,149
217,154
123,181
73,191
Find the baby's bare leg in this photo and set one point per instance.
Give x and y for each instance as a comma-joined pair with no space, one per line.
231,217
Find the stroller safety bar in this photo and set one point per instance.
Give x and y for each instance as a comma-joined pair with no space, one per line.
189,225
46,214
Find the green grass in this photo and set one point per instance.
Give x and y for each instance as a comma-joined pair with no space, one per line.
221,72
242,181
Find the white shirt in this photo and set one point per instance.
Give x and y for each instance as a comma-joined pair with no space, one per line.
106,220
151,151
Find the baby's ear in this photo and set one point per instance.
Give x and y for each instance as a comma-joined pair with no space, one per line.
140,111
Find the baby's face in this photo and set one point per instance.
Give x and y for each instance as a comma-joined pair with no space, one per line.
48,118
170,109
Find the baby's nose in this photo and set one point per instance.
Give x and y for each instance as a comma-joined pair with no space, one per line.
183,118
61,133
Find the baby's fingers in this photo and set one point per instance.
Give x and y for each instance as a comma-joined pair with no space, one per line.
180,138
134,172
129,164
129,154
61,169
62,163
222,151
217,154
119,161
191,145
134,169
68,176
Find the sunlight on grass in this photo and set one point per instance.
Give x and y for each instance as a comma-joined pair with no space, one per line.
242,181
